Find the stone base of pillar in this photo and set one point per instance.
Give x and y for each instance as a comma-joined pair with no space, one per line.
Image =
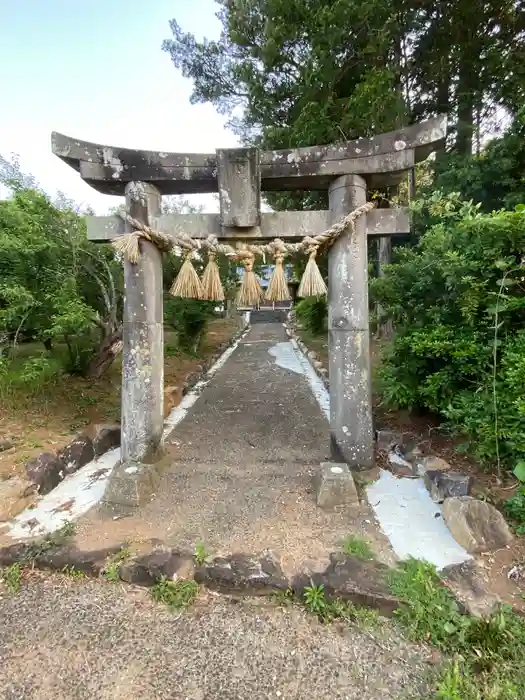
335,486
130,486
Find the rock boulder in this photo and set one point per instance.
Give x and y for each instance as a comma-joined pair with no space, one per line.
77,454
46,471
362,582
476,525
240,573
431,463
442,485
103,436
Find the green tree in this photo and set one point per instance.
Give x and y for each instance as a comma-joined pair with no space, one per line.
465,59
302,72
55,285
495,177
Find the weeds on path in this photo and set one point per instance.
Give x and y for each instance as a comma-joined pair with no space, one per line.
72,572
12,577
326,609
358,547
111,570
175,594
200,554
487,654
49,542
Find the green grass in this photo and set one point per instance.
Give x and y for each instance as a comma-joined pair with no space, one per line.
72,572
176,595
284,598
200,554
327,610
358,547
486,654
12,576
484,657
111,571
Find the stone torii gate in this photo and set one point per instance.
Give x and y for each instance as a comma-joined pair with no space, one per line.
239,176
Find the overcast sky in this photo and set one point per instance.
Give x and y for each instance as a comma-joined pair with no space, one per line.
94,69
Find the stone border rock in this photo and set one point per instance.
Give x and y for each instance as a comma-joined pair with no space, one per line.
46,471
347,577
318,367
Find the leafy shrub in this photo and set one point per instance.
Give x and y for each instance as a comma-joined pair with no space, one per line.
189,318
457,301
313,314
177,594
31,375
514,507
55,286
36,371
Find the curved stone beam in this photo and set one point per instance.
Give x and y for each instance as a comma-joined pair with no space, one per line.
109,168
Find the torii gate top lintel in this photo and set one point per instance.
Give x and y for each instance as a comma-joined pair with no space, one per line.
379,159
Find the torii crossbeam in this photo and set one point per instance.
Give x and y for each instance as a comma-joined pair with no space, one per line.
240,176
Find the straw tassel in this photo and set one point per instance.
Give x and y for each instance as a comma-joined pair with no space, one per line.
312,282
187,284
211,280
128,246
278,287
250,292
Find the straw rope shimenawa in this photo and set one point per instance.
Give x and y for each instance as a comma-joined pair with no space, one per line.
188,284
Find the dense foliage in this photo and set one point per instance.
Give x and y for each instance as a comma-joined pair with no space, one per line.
55,286
495,177
458,304
317,71
311,314
189,318
64,294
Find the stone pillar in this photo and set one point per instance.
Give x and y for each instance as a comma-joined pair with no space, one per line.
135,480
351,432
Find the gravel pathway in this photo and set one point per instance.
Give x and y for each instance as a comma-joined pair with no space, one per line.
75,639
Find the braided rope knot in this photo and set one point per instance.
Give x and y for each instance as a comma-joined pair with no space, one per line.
128,243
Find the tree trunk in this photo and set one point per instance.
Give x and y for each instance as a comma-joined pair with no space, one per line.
466,94
384,257
102,360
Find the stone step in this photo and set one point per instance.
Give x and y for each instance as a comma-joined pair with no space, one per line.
268,316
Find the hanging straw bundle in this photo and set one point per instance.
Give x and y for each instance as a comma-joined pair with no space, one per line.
312,282
187,284
250,292
128,246
211,280
278,287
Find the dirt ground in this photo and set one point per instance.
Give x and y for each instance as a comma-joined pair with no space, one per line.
48,420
